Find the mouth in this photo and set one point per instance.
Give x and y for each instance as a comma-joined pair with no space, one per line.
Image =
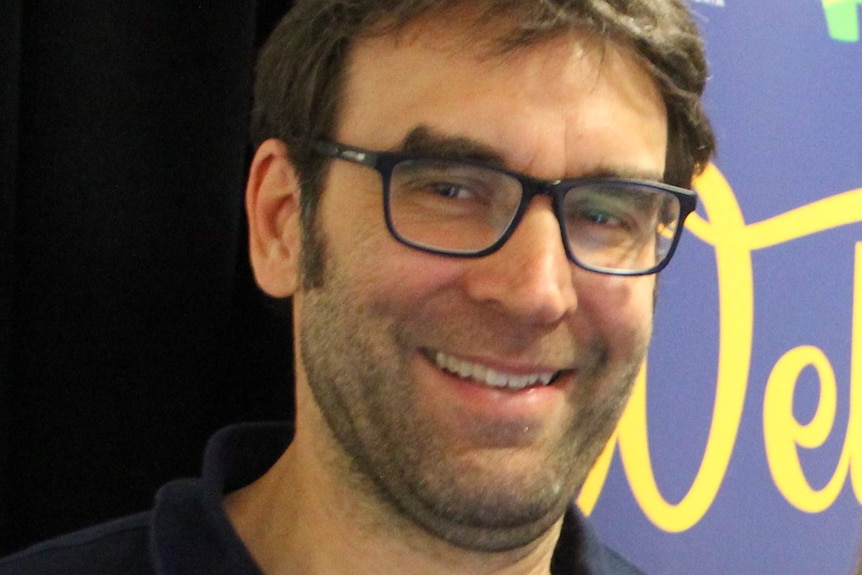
491,377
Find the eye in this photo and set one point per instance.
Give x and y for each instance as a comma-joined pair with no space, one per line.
442,189
450,190
606,215
446,187
599,217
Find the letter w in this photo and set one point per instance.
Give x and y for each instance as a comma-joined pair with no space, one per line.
842,19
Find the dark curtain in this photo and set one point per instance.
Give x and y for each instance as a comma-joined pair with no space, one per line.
130,327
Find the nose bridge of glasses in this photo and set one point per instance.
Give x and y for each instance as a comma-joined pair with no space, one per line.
535,189
554,190
532,187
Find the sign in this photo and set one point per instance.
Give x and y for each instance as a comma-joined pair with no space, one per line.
740,451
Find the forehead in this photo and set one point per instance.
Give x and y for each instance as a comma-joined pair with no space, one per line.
555,108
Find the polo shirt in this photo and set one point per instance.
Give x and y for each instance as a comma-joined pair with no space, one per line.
188,533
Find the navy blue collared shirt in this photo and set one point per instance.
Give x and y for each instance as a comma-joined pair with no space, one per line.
188,533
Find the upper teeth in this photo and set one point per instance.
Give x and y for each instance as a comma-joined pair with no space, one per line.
489,376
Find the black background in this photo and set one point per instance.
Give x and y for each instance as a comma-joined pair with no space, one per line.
130,326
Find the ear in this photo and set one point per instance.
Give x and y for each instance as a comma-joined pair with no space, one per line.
272,207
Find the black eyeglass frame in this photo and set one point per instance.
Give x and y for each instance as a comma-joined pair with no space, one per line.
384,163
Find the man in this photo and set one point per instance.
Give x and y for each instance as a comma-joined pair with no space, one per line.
467,202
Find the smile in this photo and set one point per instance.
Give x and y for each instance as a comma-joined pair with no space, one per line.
489,376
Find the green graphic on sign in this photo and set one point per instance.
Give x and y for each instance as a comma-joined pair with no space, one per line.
842,17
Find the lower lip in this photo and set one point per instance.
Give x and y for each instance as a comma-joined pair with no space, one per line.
468,398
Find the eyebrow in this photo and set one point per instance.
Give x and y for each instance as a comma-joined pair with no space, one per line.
624,173
425,141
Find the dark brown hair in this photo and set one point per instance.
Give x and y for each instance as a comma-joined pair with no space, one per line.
301,68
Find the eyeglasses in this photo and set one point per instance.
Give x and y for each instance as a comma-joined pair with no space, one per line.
464,208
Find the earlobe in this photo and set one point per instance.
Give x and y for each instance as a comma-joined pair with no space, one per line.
272,207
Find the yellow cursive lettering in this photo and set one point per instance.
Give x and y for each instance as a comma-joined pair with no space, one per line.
783,434
734,240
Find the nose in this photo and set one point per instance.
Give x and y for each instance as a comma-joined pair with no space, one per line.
530,277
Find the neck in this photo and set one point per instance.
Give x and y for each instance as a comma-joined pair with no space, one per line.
303,518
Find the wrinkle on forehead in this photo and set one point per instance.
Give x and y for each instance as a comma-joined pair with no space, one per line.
550,83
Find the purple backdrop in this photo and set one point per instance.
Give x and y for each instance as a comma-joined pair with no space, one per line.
741,452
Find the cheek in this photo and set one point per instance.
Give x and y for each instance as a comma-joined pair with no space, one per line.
360,246
621,308
404,280
382,272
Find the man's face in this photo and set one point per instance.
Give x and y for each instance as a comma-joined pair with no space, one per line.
483,466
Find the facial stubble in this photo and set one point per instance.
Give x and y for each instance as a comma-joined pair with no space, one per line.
358,371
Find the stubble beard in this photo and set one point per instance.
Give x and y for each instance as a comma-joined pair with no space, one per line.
360,379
